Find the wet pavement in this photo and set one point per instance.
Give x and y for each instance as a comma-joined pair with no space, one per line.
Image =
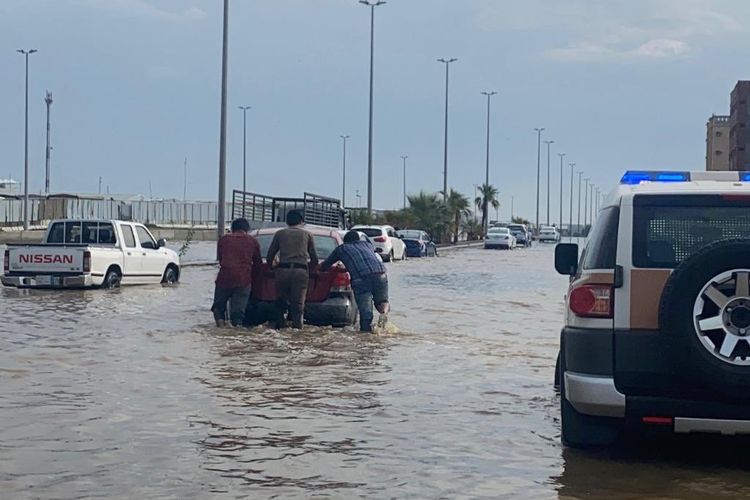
134,394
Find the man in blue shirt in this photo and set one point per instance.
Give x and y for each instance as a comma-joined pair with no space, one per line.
369,281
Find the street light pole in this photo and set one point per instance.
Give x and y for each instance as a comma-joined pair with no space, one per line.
244,154
404,157
343,176
372,4
48,149
26,217
487,161
447,63
570,215
586,203
548,143
184,180
538,171
512,199
220,215
580,174
561,155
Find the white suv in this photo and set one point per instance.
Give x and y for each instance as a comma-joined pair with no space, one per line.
657,327
386,242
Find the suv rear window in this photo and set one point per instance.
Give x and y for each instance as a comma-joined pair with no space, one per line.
371,232
601,249
668,230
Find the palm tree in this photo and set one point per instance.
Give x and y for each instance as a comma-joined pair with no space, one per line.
429,212
472,228
488,196
458,207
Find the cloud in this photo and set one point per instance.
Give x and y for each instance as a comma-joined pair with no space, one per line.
617,30
144,8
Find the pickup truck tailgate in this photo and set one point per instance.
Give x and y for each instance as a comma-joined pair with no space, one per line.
45,260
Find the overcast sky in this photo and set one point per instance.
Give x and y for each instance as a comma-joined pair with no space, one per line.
618,84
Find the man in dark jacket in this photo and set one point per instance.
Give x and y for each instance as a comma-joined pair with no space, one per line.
369,281
295,247
239,257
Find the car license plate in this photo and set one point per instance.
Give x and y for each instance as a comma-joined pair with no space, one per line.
44,280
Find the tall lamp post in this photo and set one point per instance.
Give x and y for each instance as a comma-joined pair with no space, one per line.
580,176
220,215
26,217
586,202
403,158
343,175
548,143
447,63
48,149
538,171
372,4
487,158
561,155
570,215
244,155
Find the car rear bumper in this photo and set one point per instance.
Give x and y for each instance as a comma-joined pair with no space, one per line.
336,311
44,281
497,244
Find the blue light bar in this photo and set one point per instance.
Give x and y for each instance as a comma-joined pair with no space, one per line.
745,176
639,177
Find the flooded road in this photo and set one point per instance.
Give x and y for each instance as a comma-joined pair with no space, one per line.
134,394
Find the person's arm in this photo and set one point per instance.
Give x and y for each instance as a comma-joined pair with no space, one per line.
331,260
273,249
257,260
311,251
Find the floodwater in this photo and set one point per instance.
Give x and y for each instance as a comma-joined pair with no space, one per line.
134,394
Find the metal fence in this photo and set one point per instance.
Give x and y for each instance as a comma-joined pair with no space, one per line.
172,212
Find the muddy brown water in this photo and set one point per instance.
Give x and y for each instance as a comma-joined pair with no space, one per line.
134,394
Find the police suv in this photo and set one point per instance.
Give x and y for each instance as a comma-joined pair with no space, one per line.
657,329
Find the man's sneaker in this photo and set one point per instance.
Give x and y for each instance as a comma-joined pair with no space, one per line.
382,320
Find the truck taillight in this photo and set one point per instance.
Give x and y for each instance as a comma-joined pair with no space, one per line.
591,301
380,239
6,261
341,280
86,261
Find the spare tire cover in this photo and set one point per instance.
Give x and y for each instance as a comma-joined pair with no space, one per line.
704,317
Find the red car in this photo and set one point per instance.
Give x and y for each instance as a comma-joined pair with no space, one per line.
330,299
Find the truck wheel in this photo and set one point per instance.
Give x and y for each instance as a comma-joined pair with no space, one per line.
170,276
111,279
584,431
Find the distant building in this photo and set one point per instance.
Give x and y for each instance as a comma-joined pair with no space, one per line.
739,134
717,143
9,187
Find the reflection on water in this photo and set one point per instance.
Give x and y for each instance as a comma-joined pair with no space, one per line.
134,393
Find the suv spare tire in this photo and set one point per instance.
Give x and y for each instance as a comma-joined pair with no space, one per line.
704,317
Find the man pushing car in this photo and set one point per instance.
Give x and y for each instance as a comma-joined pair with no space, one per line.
369,280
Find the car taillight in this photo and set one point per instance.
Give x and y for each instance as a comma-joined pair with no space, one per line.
341,280
6,261
380,239
591,301
86,261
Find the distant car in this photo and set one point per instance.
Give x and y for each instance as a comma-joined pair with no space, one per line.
500,237
522,234
549,234
385,240
330,299
418,243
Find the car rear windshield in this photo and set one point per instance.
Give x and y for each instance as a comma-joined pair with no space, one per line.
669,229
92,233
371,231
324,245
601,248
415,235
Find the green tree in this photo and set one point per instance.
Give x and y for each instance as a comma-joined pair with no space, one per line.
459,207
429,213
487,197
472,228
520,220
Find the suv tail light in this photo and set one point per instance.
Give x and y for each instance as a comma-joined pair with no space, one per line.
341,281
380,239
86,261
6,262
592,301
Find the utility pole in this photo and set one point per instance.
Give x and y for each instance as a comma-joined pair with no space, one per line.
220,215
404,157
512,199
561,155
372,4
48,101
343,176
580,174
447,63
548,143
586,203
184,181
100,184
244,154
26,216
570,220
538,171
487,161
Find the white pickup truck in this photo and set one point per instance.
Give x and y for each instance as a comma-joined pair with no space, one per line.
81,253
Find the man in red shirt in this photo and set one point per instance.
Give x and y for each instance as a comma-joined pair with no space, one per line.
239,257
